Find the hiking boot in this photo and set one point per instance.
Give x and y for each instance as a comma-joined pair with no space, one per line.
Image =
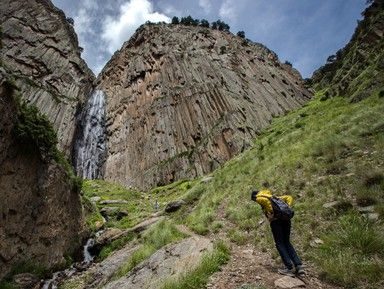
286,272
299,270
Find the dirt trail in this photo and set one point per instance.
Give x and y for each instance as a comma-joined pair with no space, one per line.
249,266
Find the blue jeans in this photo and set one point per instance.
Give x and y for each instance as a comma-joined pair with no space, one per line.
281,231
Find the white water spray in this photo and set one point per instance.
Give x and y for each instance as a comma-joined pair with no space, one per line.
91,145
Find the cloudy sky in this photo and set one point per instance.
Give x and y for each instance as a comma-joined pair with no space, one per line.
304,32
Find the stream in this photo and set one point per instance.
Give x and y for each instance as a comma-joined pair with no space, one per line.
57,277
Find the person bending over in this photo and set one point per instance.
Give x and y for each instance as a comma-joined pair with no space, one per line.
281,231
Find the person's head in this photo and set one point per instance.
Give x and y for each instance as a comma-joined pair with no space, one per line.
253,195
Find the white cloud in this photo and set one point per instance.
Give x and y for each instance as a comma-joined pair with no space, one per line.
205,4
227,10
132,14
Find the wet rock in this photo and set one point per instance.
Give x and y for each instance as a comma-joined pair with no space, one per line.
174,206
287,282
25,280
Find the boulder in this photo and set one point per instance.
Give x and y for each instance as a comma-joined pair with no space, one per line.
26,280
95,199
113,202
113,212
287,282
106,236
174,206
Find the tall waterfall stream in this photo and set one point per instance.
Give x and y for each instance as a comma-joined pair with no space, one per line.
90,150
91,145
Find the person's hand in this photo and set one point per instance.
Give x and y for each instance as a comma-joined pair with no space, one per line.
270,216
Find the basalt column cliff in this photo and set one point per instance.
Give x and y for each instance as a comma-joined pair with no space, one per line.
182,100
41,51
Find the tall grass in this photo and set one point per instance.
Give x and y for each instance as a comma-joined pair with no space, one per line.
337,153
352,253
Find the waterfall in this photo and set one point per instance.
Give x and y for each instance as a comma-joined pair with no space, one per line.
90,147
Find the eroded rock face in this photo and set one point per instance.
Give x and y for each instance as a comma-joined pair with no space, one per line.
40,212
183,100
40,49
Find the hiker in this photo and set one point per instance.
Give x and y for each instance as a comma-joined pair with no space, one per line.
281,230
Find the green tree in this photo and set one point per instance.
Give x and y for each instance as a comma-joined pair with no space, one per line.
175,20
204,23
70,21
241,34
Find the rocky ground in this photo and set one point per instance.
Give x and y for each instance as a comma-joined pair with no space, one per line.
248,268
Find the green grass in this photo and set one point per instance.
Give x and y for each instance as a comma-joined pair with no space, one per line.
140,205
198,277
352,253
155,238
336,153
114,246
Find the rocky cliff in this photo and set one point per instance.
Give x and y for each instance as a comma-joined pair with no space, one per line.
40,49
40,210
183,100
357,70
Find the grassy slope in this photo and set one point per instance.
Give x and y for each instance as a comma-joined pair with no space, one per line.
326,151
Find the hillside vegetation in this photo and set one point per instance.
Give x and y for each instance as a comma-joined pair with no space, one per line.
328,151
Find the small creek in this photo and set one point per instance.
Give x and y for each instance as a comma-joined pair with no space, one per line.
88,257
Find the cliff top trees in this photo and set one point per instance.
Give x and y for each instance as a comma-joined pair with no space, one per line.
190,21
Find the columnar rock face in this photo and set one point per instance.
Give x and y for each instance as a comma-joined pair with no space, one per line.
40,211
182,100
40,49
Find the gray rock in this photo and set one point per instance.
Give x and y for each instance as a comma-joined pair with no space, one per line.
287,282
330,204
373,216
174,206
113,202
25,280
366,209
107,235
171,261
340,206
95,199
113,212
207,179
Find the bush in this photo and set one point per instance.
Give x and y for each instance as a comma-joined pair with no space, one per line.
34,127
241,34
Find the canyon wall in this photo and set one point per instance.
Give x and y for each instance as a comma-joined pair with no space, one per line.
41,219
183,100
40,49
